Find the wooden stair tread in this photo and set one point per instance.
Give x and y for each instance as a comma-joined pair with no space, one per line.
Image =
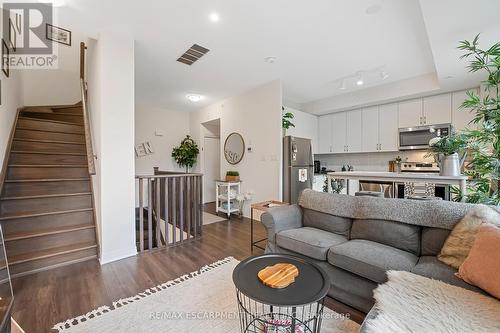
49,131
46,196
46,232
39,180
52,112
50,141
23,216
50,121
48,165
46,153
25,257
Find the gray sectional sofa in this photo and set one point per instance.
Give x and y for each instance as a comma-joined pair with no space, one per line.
356,240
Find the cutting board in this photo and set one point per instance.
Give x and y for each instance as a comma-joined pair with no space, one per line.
278,276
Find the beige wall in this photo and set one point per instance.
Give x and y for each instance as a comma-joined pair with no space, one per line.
256,115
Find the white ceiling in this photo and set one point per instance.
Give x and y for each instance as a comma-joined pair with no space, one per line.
315,42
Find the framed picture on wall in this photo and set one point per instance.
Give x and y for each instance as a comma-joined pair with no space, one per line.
5,58
57,34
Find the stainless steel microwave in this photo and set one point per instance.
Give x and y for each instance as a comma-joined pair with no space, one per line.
414,138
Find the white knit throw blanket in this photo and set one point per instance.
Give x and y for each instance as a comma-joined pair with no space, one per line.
412,303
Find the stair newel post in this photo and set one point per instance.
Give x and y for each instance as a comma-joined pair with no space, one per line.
141,214
158,212
150,213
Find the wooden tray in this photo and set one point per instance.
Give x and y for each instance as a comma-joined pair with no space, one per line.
278,276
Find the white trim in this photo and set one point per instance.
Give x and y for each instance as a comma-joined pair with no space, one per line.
116,255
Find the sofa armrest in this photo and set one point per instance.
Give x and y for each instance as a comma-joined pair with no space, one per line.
278,219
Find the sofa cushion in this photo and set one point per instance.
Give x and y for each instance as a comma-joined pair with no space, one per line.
310,242
402,236
336,224
433,240
369,259
431,267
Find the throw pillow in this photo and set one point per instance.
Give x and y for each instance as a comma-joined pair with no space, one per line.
482,266
458,244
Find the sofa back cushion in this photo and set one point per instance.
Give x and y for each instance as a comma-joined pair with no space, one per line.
433,240
327,222
402,236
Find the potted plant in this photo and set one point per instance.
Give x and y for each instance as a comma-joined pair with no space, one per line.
483,142
186,154
449,151
232,176
286,120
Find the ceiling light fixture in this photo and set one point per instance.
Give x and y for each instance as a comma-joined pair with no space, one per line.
194,98
214,17
384,75
270,60
360,81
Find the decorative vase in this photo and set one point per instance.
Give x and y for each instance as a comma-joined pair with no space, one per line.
450,165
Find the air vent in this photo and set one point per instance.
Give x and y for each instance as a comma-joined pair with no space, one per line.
193,54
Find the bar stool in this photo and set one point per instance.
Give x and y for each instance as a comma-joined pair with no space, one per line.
369,194
420,191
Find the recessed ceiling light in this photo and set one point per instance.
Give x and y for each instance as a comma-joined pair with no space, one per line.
360,82
373,9
194,97
214,17
270,60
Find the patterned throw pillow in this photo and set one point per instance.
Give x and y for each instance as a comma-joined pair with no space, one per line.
458,244
482,266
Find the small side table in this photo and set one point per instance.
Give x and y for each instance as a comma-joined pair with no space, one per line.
263,207
223,194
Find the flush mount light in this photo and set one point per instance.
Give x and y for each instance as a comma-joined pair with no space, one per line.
360,81
214,17
270,60
194,97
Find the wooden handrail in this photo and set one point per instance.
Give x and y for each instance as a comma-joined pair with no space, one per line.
86,116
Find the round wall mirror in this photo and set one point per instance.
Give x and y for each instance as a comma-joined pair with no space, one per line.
234,148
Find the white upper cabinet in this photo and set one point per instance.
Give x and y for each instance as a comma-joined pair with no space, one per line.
354,131
388,127
410,113
370,125
339,135
437,110
461,118
325,134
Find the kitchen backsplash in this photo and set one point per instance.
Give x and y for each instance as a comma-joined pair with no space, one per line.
369,161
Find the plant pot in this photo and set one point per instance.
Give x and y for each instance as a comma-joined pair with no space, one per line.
232,178
450,165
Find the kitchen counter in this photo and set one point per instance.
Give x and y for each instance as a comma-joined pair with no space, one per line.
403,177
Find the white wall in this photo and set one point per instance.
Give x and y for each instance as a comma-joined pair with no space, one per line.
11,100
57,86
306,126
256,115
175,127
111,84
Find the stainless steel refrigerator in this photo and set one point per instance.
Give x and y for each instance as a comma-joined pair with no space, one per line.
298,167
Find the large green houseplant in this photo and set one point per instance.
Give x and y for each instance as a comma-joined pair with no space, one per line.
186,154
483,142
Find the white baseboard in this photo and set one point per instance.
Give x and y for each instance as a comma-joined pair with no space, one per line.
116,255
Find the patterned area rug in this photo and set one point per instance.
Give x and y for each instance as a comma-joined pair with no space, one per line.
200,302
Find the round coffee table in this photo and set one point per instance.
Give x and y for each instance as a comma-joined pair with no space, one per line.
294,309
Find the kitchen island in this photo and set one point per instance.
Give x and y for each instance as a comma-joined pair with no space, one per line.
402,177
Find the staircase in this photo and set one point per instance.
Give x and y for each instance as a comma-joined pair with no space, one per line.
46,203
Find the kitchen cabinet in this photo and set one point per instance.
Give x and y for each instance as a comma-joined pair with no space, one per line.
380,128
410,113
354,129
339,132
388,127
437,110
370,136
461,118
325,134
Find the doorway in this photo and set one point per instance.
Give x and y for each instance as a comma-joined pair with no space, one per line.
211,159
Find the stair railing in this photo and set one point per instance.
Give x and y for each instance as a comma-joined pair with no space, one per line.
170,209
86,117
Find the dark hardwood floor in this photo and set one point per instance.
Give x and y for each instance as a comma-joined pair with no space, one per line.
46,298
